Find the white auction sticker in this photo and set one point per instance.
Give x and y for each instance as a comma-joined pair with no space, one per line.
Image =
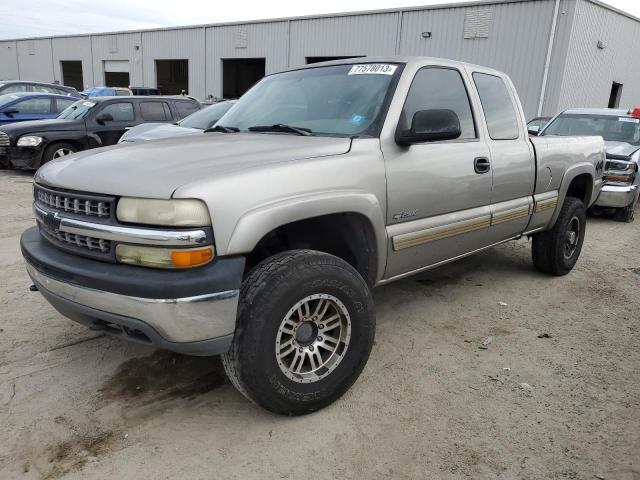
629,120
373,69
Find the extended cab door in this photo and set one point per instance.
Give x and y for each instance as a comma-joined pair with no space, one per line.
111,130
438,193
512,157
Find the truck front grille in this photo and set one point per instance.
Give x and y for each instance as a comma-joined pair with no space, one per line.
4,143
73,202
78,244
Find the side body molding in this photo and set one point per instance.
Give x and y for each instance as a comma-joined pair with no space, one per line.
256,223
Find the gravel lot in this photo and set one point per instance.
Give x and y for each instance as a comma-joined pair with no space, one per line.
430,404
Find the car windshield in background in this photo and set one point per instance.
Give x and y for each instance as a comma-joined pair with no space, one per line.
80,109
342,100
4,99
611,128
207,117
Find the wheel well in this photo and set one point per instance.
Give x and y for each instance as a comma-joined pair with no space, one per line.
581,187
349,236
75,143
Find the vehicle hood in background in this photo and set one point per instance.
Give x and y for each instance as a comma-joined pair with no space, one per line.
156,131
620,148
35,126
157,169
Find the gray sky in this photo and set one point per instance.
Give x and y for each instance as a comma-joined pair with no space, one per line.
29,18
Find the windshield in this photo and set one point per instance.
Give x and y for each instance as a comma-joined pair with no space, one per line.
343,100
8,98
611,128
207,117
79,109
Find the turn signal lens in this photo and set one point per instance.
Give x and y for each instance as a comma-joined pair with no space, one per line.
157,257
191,258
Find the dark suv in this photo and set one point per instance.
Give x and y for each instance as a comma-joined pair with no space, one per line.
14,86
91,123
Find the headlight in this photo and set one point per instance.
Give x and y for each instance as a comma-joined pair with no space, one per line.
173,213
29,141
162,257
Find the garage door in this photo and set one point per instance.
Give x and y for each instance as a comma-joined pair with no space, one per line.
116,73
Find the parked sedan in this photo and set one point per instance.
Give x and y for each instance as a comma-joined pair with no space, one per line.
85,124
21,107
620,130
15,86
191,125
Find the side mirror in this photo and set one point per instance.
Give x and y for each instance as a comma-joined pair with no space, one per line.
103,118
533,130
430,126
10,112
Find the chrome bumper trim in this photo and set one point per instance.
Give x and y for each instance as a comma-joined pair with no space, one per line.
144,236
614,196
187,319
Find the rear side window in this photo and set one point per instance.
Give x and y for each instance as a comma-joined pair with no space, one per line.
439,88
34,106
185,109
154,111
499,111
121,112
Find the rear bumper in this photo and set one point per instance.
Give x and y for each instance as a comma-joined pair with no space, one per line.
191,312
613,196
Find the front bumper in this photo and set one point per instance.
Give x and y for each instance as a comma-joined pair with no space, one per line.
27,158
188,311
612,196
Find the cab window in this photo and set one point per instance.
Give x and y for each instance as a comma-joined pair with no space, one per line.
499,111
439,88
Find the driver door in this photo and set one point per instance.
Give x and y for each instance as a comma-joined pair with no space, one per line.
438,198
123,114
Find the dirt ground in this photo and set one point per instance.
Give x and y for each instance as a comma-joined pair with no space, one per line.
555,395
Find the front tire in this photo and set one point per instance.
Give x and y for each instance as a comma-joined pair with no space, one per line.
556,251
625,214
58,150
304,332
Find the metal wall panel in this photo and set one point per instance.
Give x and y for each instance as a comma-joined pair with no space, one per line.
516,42
184,44
35,60
9,61
75,48
370,34
267,40
590,71
121,46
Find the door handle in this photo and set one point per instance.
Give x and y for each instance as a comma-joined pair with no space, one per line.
481,165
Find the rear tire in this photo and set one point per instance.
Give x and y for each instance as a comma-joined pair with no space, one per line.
304,332
57,150
556,251
625,214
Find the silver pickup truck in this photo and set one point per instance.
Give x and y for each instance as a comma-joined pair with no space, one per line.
261,239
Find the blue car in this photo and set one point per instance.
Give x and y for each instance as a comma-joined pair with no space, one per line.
107,92
22,106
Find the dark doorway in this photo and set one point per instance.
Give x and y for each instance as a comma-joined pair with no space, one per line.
172,76
72,74
616,93
239,75
116,79
328,59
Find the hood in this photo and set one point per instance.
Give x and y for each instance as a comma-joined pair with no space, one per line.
157,169
620,148
156,131
34,126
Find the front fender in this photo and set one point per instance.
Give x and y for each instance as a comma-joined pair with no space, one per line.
258,222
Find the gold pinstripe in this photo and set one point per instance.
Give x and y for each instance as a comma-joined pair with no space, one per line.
546,204
420,237
509,215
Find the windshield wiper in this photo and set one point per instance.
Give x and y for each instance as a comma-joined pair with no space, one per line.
280,127
223,129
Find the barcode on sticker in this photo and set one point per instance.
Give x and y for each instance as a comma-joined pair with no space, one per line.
629,120
373,69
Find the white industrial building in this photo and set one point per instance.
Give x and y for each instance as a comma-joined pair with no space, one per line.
559,53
